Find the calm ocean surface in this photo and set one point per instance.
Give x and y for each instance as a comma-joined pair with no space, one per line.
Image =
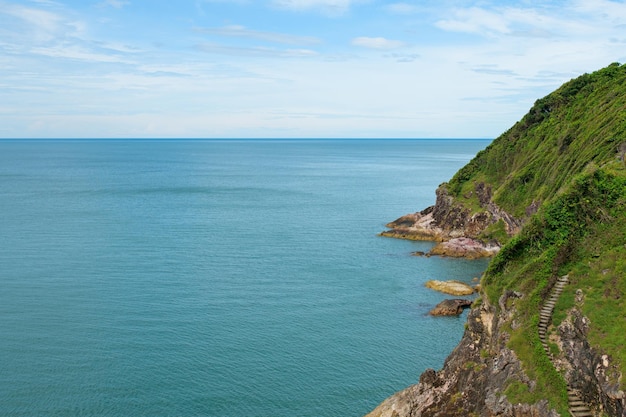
218,278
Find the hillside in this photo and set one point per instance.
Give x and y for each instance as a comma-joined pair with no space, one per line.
547,336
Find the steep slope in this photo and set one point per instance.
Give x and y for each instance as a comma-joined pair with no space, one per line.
547,336
581,123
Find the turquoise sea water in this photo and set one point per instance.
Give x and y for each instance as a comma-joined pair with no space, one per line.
218,278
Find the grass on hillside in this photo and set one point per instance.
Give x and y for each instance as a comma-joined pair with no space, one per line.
582,122
581,233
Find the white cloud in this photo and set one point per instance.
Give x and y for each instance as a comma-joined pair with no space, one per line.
402,8
330,7
271,79
29,25
403,57
41,23
116,4
77,53
377,43
475,20
254,51
238,31
613,11
575,21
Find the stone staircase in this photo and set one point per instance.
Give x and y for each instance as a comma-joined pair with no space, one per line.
577,407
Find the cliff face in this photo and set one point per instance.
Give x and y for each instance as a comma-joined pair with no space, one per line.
472,380
483,372
547,336
461,231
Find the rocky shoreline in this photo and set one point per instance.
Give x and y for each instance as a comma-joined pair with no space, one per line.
456,230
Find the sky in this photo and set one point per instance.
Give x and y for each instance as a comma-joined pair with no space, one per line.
292,68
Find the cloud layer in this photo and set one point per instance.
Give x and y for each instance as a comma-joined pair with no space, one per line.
292,68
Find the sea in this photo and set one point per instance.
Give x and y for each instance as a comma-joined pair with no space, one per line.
218,277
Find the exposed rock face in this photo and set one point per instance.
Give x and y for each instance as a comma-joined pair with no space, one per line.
451,287
473,379
594,376
464,247
454,225
450,307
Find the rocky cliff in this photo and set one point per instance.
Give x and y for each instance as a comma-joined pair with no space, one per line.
547,335
459,230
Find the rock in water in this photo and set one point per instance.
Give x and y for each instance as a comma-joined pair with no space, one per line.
450,307
450,287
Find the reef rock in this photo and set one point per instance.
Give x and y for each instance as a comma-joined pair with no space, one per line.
450,307
451,287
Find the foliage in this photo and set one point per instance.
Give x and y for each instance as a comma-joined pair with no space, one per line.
580,123
565,154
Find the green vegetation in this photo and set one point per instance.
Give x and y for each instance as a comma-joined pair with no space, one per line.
566,157
582,122
582,233
603,281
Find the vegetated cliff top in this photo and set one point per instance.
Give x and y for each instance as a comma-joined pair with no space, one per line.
562,169
582,122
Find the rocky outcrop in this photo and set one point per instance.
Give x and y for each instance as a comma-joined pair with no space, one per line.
464,247
475,377
450,307
592,377
451,287
456,228
473,380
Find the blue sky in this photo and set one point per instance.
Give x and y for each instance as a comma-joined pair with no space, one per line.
292,68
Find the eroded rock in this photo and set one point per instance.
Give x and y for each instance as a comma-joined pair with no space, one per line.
452,307
451,287
464,247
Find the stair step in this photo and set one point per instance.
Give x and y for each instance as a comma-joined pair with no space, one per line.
577,403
